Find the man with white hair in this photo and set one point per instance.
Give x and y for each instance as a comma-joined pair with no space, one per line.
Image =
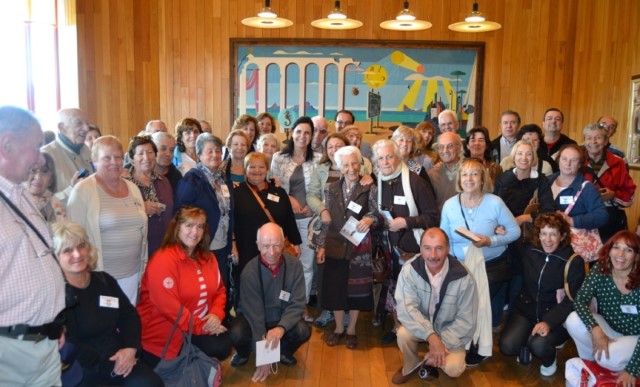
31,285
320,133
448,121
70,155
154,126
443,178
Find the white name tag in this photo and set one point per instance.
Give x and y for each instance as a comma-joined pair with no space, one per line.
109,302
273,198
285,296
566,199
632,309
400,200
225,191
355,207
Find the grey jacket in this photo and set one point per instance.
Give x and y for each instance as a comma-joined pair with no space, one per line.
455,315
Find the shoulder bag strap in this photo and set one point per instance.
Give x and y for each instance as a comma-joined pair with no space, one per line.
567,266
575,198
173,330
24,218
264,207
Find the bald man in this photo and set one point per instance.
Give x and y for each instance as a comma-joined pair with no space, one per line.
69,152
443,178
610,126
320,133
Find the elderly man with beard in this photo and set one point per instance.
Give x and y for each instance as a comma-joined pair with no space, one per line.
437,303
70,155
406,201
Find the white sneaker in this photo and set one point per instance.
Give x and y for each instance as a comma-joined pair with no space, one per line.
549,371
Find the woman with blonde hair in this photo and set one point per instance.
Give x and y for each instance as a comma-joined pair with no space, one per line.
406,137
101,323
237,146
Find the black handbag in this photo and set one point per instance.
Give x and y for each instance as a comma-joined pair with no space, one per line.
191,368
499,269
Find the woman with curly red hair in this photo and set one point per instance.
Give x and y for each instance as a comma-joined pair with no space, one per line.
610,335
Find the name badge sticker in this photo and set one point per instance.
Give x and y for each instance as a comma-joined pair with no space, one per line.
273,198
400,200
355,207
566,200
109,302
631,309
285,296
225,191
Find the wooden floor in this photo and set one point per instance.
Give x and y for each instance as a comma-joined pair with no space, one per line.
372,364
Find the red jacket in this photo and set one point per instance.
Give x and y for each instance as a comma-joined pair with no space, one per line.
170,280
613,175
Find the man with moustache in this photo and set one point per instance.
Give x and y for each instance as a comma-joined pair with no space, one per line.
436,302
70,154
166,144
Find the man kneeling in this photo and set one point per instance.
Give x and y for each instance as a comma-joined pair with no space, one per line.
272,301
437,303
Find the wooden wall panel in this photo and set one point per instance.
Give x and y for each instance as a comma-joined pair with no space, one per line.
144,59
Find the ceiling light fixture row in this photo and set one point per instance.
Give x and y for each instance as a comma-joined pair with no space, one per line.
404,21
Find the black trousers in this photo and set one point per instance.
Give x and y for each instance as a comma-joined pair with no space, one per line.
141,376
213,346
517,334
242,337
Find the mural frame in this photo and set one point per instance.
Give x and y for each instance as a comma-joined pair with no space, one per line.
633,131
431,57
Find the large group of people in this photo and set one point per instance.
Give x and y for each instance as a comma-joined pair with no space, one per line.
240,241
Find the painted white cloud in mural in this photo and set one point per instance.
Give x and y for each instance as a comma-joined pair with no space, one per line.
283,52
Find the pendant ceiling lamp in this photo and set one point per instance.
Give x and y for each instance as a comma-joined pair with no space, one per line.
405,21
337,20
267,19
475,22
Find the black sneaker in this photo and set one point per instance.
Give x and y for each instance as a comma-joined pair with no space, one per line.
238,361
473,359
524,357
288,360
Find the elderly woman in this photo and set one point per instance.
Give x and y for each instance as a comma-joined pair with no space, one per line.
293,167
405,137
268,145
571,189
184,273
348,281
112,210
237,145
518,187
478,146
427,130
408,205
184,156
354,136
535,326
40,183
205,187
107,339
533,134
485,215
610,335
266,123
610,175
156,190
253,199
249,125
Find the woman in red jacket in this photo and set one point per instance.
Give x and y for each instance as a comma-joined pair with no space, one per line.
184,273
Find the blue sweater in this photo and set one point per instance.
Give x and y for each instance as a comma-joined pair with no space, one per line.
589,212
491,213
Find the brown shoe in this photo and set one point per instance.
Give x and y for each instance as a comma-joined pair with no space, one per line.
334,338
399,378
352,341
